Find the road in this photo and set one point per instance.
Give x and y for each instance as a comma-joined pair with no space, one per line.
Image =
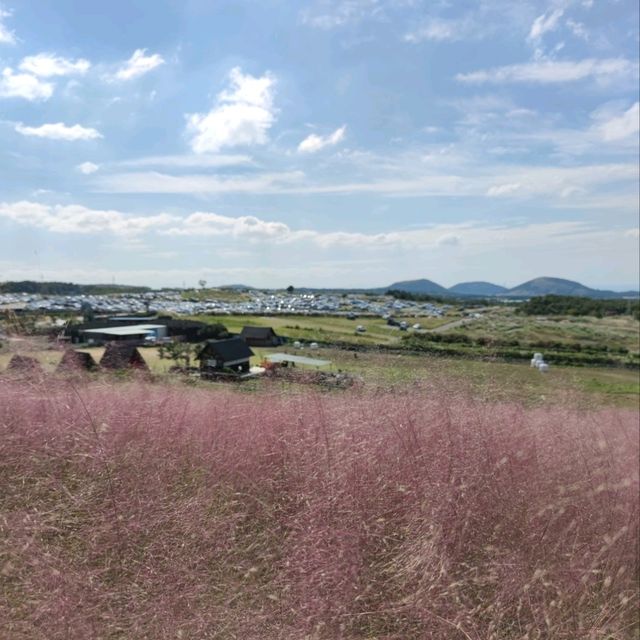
449,325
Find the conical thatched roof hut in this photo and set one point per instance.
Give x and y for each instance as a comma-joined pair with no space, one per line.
24,364
122,355
76,361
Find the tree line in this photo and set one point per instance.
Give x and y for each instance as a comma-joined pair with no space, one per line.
554,305
67,288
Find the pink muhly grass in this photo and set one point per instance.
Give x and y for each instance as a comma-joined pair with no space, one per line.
146,511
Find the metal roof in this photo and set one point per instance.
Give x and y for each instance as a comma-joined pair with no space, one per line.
231,349
130,318
285,357
249,331
131,330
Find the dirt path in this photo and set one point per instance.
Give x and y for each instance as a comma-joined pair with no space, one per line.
446,327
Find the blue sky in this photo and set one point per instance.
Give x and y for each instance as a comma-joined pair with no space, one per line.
342,143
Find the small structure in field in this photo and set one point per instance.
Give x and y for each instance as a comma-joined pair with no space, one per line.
538,362
74,361
217,355
360,329
260,336
122,355
24,364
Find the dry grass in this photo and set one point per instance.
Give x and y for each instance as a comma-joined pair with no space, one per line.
134,510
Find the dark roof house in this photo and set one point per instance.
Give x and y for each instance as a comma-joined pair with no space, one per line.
122,355
217,355
76,361
260,336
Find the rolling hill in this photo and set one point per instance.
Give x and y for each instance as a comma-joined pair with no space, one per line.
536,287
561,287
422,286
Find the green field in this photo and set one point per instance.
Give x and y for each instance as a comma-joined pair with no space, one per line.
491,381
328,328
479,367
614,331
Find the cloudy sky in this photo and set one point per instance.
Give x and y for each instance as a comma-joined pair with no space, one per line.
319,142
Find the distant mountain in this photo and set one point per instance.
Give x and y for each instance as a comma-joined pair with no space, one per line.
477,289
419,286
530,289
561,287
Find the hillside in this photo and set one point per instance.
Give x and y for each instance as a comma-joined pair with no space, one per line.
536,287
477,289
418,286
560,287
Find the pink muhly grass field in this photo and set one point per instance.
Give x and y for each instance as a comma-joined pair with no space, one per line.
148,511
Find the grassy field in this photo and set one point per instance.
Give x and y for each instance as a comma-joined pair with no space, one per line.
492,381
436,498
615,331
571,335
144,510
220,295
328,328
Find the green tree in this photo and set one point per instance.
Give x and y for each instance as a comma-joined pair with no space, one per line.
179,352
88,314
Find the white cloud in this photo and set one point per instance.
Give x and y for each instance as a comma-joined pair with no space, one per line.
23,85
439,30
409,178
578,29
6,35
79,219
331,15
448,240
186,161
553,72
543,24
243,115
560,238
621,127
212,224
632,233
156,182
313,142
87,168
46,65
59,131
138,64
504,189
